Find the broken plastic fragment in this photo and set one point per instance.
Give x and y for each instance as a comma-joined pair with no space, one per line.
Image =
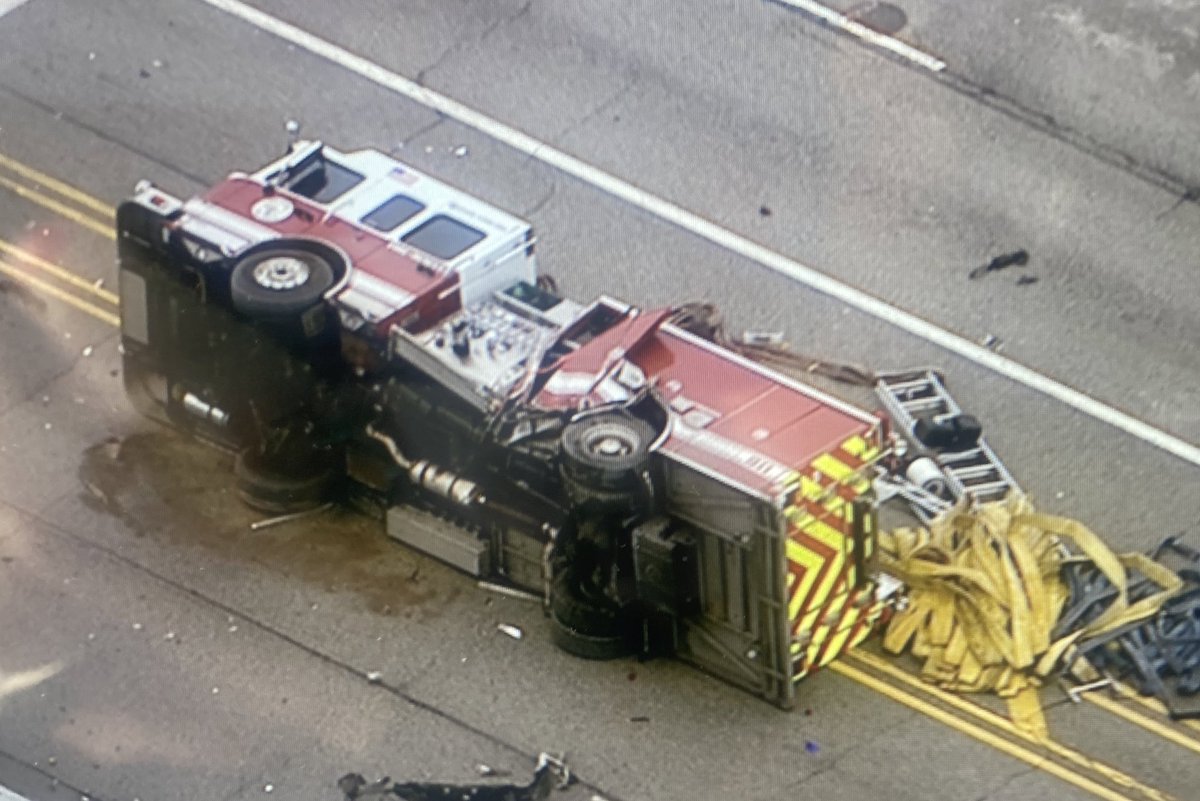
512,631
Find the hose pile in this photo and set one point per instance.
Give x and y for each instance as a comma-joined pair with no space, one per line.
986,592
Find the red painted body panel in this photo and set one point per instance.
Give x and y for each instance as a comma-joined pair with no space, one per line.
368,250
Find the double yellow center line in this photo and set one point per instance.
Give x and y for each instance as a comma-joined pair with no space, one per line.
35,272
879,675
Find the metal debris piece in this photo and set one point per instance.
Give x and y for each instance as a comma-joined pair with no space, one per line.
760,338
512,631
1076,693
488,770
96,492
259,525
1159,655
511,592
1018,257
550,772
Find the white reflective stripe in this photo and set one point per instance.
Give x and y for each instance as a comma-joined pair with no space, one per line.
721,447
210,216
5,793
5,7
373,298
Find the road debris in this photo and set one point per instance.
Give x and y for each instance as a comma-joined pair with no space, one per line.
1018,258
269,522
510,592
512,631
488,770
551,772
1158,655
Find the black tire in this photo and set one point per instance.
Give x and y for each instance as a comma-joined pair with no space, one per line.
585,646
282,279
586,613
607,451
274,492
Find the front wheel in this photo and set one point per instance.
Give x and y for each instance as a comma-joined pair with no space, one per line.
281,279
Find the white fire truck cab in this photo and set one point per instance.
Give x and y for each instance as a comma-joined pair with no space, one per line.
355,330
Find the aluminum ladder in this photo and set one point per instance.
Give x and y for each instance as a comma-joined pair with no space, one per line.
974,472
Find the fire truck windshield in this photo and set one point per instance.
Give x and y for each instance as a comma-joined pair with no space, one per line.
323,181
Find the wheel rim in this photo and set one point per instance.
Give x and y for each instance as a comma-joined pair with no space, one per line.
611,442
281,273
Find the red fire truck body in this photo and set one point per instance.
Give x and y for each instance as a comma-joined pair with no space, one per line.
356,330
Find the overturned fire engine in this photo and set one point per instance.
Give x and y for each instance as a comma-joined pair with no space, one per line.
355,330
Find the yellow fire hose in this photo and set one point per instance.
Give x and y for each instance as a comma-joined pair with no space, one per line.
985,593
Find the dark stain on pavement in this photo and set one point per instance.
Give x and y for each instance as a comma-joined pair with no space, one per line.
884,18
164,486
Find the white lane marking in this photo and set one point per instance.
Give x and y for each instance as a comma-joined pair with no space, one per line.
857,29
697,225
5,7
9,795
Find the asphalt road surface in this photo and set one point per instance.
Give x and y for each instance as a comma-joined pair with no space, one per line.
152,647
